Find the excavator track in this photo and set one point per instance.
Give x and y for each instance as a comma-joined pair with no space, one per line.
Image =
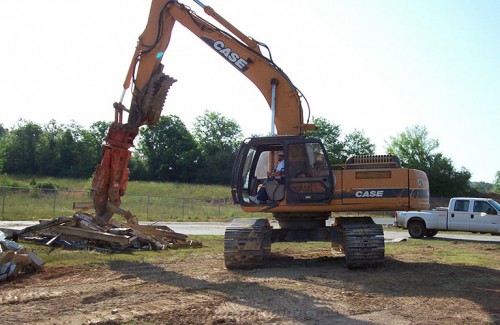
247,242
363,244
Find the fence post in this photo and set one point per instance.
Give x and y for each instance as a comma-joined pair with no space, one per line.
3,198
54,206
147,209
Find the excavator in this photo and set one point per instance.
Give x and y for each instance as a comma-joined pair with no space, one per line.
308,188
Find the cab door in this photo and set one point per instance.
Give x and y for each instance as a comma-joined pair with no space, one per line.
308,176
459,218
484,217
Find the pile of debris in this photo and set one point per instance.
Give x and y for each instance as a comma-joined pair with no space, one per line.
15,259
80,232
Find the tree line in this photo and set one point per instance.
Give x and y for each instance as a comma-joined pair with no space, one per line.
169,151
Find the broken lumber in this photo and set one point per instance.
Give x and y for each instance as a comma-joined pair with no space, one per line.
44,225
91,234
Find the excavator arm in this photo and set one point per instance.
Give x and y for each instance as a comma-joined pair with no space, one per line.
241,51
150,87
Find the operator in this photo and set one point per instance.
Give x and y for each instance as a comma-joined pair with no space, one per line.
262,196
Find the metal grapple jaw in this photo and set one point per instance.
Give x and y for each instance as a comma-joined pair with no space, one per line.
147,104
111,175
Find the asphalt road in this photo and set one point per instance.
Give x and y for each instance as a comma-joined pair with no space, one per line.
218,228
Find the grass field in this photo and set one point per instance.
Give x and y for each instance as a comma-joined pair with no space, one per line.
443,252
149,201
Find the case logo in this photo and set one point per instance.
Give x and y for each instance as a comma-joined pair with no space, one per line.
379,193
228,54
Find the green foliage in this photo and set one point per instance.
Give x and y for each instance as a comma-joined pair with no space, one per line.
219,139
20,148
46,186
338,148
215,132
413,147
415,150
5,180
496,185
330,135
52,149
355,143
482,187
3,131
169,151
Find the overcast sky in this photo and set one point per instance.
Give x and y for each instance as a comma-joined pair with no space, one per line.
377,66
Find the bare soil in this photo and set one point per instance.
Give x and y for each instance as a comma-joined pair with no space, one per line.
295,287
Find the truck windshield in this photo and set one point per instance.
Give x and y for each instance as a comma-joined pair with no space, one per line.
495,204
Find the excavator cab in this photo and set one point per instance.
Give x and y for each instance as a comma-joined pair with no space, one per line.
306,178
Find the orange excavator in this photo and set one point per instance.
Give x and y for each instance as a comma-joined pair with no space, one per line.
308,190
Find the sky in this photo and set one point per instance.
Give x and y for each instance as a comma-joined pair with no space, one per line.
376,66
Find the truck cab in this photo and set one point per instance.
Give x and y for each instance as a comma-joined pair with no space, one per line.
474,214
462,214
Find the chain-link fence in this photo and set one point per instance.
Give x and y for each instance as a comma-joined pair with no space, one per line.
21,203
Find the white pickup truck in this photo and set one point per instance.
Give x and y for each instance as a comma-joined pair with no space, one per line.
463,214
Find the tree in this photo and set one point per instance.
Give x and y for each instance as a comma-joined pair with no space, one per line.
20,148
340,148
68,150
218,138
330,135
169,151
482,187
89,146
49,151
415,150
496,185
413,147
3,131
355,143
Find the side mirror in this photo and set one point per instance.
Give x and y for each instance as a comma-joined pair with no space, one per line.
491,211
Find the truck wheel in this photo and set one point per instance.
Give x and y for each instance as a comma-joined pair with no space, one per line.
431,233
416,229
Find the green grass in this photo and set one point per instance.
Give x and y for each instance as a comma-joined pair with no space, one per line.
63,257
448,252
436,251
149,201
198,191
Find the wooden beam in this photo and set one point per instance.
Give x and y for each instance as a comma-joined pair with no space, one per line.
90,234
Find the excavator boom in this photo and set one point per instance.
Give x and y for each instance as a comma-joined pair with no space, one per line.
150,87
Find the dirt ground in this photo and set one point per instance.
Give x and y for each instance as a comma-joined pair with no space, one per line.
295,288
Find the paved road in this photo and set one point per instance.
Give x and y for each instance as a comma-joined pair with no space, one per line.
218,228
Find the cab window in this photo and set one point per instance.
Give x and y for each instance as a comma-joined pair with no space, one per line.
462,205
481,206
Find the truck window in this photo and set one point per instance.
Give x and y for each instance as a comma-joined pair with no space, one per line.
461,205
495,204
481,206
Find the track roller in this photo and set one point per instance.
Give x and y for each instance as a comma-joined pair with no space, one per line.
247,242
362,242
